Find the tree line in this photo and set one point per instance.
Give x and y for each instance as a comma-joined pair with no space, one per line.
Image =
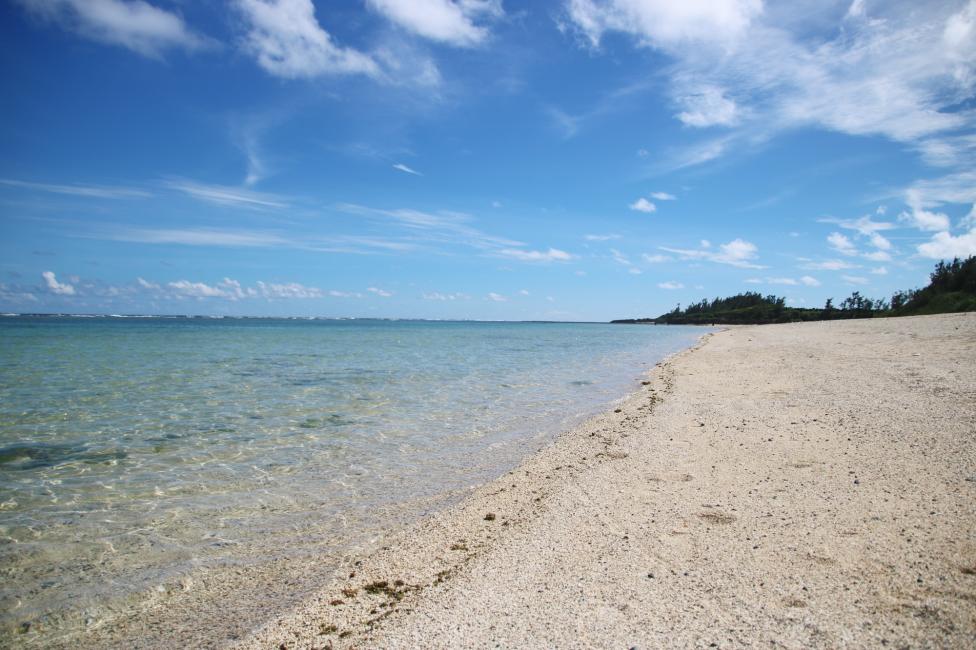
951,288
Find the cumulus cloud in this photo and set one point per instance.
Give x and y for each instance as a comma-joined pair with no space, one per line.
737,252
133,24
59,288
944,245
382,293
271,290
810,281
447,21
663,23
643,205
841,244
445,296
551,255
287,41
497,297
230,289
921,218
670,285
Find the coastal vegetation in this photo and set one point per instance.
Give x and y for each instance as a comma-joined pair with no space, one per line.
951,288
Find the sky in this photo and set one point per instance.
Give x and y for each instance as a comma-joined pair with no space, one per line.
478,159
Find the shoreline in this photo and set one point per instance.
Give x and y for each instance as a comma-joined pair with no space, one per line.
799,484
211,605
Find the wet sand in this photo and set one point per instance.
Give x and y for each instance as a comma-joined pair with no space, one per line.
807,485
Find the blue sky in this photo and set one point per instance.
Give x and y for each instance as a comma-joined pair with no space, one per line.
567,160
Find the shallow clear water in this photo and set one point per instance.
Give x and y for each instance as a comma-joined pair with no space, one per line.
133,450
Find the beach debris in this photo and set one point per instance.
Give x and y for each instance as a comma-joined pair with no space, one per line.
717,517
490,516
336,602
349,592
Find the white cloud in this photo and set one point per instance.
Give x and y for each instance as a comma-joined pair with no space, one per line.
664,23
344,294
920,217
551,255
445,21
887,69
407,170
878,256
497,297
202,237
380,292
600,237
643,205
655,259
810,281
671,285
829,265
197,289
60,288
708,106
92,191
133,24
523,292
445,296
943,245
879,241
288,41
879,271
737,252
841,244
146,284
233,290
663,196
854,279
271,290
226,195
620,258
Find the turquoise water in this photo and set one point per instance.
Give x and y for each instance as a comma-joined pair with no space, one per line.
133,450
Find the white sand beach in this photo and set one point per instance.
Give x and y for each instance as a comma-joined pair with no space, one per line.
807,485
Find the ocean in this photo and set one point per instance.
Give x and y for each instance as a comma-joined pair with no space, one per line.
137,453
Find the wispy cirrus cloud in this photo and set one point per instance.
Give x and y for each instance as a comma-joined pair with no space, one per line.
406,170
226,195
75,189
551,255
133,24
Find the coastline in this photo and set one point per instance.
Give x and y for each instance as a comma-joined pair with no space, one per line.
804,485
